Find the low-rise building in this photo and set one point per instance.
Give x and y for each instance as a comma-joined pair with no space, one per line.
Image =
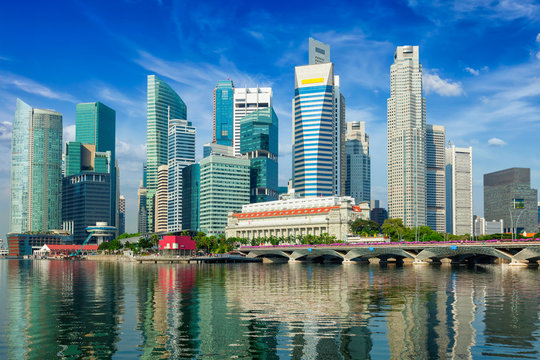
25,244
294,217
177,245
484,227
65,250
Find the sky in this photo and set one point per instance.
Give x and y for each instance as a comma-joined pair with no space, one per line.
480,58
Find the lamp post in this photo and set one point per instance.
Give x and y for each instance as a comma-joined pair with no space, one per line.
399,232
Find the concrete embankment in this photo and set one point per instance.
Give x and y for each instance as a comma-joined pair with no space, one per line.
109,258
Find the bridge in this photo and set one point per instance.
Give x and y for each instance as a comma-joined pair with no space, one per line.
520,252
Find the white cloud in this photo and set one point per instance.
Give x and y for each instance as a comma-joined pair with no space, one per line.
433,83
69,133
538,55
472,71
257,35
6,128
32,87
496,142
538,37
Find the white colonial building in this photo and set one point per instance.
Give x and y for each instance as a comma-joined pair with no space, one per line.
293,217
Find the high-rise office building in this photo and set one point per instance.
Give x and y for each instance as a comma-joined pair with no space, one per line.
247,100
407,139
95,123
163,103
142,213
259,143
224,187
191,197
435,178
181,154
319,130
36,169
358,162
223,113
86,189
216,149
161,199
121,214
459,197
508,196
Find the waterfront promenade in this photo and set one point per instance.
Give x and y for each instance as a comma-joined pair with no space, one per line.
521,252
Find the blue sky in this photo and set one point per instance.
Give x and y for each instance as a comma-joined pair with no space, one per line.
481,61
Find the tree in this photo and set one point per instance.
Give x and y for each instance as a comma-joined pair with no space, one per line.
365,227
394,228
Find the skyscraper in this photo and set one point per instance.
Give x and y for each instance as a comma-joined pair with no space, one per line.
358,162
181,154
163,103
223,113
407,139
225,185
36,169
259,142
191,197
508,196
247,100
319,52
142,213
319,131
161,200
435,175
459,199
121,214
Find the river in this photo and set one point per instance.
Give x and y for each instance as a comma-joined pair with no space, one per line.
101,310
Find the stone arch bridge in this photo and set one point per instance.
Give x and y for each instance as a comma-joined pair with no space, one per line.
512,252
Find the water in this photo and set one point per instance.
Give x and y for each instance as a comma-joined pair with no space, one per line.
87,309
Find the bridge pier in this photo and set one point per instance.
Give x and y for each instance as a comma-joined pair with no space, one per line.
519,263
374,260
347,261
420,262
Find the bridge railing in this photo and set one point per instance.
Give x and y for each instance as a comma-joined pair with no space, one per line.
452,242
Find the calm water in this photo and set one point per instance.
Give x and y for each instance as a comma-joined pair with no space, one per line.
63,309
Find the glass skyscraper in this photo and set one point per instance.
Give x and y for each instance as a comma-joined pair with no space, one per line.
358,162
223,113
181,154
96,124
191,197
319,129
36,169
259,142
224,187
163,103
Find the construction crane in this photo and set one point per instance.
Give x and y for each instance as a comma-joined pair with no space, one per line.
78,252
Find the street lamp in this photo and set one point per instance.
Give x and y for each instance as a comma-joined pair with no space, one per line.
399,232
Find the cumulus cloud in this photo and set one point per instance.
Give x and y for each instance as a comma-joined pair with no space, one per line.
496,142
6,128
434,84
472,71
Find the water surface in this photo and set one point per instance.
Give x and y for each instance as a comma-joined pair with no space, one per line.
87,309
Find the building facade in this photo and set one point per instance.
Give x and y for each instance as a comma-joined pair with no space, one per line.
435,177
459,196
296,217
358,162
85,201
163,103
191,197
36,169
95,124
142,214
181,154
483,227
407,139
247,100
223,113
26,244
319,130
508,196
225,185
161,200
121,214
259,143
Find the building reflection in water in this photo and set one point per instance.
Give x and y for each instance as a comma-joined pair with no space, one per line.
100,310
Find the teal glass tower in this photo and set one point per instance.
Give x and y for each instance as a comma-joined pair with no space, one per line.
223,113
95,123
259,142
36,169
163,103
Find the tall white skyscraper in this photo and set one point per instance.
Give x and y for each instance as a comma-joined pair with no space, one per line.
358,162
435,187
161,199
181,154
247,100
319,131
407,139
459,198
